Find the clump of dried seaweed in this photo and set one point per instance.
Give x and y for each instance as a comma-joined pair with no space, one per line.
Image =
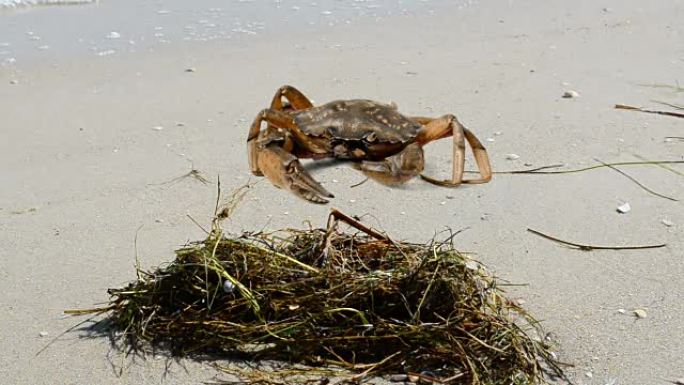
324,297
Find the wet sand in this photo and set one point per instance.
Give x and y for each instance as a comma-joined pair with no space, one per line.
84,164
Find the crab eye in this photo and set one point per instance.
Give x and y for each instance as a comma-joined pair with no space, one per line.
371,137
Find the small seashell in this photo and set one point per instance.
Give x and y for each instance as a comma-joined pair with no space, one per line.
158,128
589,374
571,94
228,287
14,81
512,156
624,208
43,333
621,311
640,313
667,222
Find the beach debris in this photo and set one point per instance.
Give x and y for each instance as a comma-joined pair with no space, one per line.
490,140
106,52
29,210
624,208
679,381
113,35
621,311
675,106
512,156
571,94
193,174
179,124
43,333
353,304
667,222
589,374
658,112
640,313
585,247
191,69
648,190
14,81
158,128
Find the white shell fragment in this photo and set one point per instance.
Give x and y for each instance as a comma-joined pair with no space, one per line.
640,313
571,94
158,128
113,35
512,156
624,208
667,222
228,287
43,334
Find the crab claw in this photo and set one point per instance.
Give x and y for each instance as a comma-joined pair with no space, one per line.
284,171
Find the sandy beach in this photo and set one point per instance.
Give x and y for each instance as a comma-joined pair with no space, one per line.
112,102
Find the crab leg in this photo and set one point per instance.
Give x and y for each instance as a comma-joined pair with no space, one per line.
269,154
296,99
444,127
395,169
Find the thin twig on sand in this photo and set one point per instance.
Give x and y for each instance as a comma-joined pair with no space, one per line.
676,106
585,247
542,170
636,181
661,165
658,112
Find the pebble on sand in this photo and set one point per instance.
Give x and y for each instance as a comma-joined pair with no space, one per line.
667,222
43,333
571,94
624,208
512,156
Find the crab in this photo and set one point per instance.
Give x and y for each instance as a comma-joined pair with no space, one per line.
379,141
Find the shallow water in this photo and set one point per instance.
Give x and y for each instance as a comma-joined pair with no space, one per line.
106,28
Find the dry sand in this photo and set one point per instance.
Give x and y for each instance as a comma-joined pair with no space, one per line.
82,168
